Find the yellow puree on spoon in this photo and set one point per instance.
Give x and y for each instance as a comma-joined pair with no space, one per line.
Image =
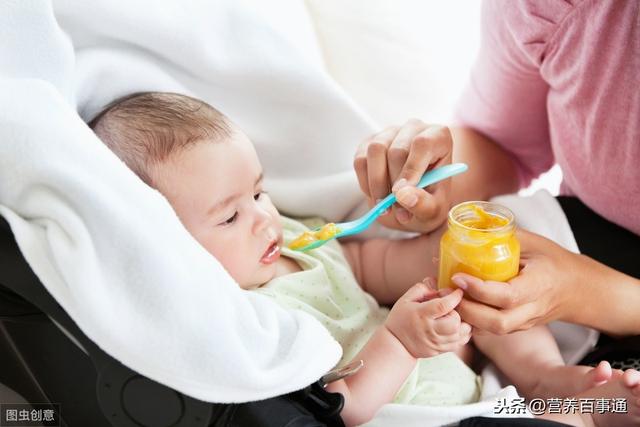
308,237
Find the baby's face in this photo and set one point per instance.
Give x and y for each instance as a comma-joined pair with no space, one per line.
216,190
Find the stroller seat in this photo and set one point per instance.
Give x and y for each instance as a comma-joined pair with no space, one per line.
50,360
47,359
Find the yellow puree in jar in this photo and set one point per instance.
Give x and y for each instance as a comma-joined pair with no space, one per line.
481,246
308,237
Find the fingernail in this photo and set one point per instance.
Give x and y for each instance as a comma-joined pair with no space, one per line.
402,215
459,282
399,184
407,198
430,282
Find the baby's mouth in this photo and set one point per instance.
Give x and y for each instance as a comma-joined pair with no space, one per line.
272,253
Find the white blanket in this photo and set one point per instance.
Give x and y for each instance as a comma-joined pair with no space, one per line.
109,249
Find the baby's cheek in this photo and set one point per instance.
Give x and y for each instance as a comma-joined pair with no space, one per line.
230,260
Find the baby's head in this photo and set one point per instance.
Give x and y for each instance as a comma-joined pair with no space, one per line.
207,169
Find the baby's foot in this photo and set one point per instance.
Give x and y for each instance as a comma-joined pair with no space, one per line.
621,386
565,381
626,386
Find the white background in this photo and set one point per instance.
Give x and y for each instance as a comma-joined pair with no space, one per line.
404,58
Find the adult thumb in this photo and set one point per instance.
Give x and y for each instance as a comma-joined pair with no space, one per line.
418,202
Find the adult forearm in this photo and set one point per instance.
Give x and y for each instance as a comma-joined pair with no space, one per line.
605,299
492,171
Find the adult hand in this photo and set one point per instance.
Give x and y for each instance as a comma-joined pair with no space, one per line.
542,292
425,322
395,159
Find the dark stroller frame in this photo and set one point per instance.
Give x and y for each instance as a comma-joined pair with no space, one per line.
120,394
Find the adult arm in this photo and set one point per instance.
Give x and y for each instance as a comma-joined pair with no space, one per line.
501,131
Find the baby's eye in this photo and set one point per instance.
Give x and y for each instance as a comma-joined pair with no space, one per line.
258,195
231,220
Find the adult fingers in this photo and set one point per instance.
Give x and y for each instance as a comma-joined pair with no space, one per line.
438,307
532,243
379,185
361,161
429,146
417,203
401,146
496,294
495,321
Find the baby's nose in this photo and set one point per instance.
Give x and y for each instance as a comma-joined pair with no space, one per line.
262,222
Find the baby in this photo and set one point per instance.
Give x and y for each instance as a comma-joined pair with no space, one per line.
209,172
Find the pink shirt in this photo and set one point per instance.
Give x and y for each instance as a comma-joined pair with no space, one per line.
559,82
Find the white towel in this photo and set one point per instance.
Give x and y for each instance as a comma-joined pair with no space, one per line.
108,248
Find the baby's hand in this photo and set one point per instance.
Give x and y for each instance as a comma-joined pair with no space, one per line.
425,322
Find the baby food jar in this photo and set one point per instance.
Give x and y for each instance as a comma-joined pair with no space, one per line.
480,241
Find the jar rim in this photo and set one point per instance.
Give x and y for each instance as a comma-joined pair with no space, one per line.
495,209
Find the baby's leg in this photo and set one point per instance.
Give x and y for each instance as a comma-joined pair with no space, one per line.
532,361
622,398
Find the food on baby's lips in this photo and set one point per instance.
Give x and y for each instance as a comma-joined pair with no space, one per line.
480,241
308,237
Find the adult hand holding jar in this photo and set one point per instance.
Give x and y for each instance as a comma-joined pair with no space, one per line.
553,283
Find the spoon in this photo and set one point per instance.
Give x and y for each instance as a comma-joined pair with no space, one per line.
321,235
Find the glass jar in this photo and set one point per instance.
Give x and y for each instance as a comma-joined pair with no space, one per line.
480,241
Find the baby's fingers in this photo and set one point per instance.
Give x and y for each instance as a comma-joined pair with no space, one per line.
445,347
438,307
448,324
421,291
465,333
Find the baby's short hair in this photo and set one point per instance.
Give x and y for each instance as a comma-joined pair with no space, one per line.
145,128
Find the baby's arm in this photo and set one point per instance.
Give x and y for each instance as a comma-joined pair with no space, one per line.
387,364
420,324
385,268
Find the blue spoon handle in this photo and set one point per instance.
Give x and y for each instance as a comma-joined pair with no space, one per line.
431,177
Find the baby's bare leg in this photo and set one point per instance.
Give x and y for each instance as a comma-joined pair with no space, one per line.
532,361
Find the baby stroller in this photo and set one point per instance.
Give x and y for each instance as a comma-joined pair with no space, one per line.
47,359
